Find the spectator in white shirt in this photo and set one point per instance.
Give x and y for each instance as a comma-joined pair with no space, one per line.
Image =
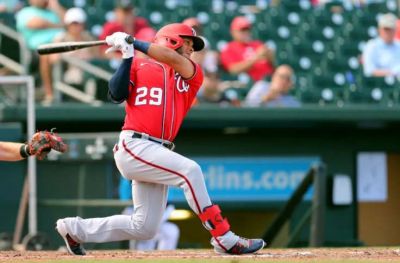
381,55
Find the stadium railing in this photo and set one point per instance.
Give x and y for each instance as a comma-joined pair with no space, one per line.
316,177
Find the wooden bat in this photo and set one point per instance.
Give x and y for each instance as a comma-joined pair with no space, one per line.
71,46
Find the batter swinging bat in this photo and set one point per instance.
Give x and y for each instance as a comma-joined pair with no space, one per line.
70,46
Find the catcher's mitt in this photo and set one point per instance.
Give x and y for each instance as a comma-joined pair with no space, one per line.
43,142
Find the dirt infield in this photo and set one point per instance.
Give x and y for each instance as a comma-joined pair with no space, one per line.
266,255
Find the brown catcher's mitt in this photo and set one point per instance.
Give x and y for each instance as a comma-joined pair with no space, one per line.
43,142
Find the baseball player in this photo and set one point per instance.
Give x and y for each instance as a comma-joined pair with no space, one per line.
158,92
40,145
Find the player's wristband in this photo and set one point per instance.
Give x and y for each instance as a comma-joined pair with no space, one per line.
23,151
142,46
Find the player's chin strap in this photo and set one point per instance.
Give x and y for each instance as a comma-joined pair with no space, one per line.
212,218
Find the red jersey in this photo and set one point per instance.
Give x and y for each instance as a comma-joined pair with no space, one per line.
235,52
159,98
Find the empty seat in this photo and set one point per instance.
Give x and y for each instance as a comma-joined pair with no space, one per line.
382,7
8,19
310,96
324,17
338,62
295,6
332,80
300,64
378,82
368,96
314,49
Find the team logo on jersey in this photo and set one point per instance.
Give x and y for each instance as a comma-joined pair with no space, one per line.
181,85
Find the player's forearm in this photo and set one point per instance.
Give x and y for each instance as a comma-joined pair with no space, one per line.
164,54
171,57
10,151
119,83
157,52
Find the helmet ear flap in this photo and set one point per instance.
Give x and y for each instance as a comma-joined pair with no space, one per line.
171,36
171,42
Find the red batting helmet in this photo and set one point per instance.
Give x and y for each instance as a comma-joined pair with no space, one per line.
171,36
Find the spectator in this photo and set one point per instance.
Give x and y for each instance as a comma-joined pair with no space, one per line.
246,55
39,23
275,93
381,54
125,21
10,6
74,21
167,235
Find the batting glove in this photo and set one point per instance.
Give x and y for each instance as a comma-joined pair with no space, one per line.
117,41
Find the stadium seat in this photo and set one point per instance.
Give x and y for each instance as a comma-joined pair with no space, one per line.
324,17
387,83
8,19
393,97
302,82
310,96
295,6
336,79
300,64
367,96
67,3
281,33
314,49
375,90
202,6
347,47
339,62
382,7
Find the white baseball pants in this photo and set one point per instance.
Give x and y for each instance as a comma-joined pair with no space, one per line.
152,168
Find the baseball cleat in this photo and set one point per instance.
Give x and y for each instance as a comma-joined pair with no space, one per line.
243,246
74,248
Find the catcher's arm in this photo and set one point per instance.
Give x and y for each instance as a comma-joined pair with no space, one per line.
10,151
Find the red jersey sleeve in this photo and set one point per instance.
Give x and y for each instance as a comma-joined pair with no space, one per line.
197,79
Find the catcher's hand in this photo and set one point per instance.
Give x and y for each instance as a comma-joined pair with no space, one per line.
43,142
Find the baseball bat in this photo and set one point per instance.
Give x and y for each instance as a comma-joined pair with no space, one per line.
71,46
